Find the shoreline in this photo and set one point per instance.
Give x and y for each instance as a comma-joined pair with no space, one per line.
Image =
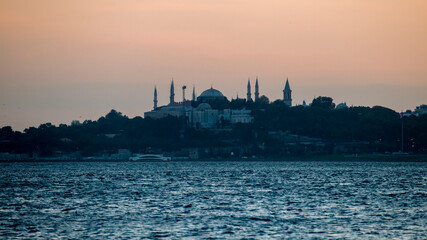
314,158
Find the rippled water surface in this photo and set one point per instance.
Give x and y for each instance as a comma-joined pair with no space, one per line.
231,200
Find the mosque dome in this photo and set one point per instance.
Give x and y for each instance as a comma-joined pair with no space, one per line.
204,106
211,94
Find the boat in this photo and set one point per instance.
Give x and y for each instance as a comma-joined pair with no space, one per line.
149,158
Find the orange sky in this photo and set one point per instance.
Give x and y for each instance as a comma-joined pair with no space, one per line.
65,60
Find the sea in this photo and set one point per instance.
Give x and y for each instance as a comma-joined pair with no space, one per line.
213,200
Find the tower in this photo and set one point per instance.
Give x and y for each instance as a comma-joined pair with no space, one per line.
287,94
155,97
194,94
256,90
248,95
172,94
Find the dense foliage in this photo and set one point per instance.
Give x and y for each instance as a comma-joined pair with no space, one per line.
378,126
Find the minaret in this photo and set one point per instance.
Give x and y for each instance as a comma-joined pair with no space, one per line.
155,97
194,94
256,90
248,95
172,94
287,94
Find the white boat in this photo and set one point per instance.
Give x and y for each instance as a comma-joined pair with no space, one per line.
149,158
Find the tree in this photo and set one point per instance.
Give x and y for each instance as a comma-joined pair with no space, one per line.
113,114
323,102
238,103
263,100
6,132
75,123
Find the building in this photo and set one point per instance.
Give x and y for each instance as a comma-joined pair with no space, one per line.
287,94
256,90
211,109
211,95
342,105
155,98
176,110
205,117
248,94
420,110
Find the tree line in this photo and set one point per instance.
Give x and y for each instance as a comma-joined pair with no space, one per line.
377,125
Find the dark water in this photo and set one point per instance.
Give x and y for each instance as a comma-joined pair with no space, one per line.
225,200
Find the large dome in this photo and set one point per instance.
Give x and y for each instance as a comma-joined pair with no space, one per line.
212,93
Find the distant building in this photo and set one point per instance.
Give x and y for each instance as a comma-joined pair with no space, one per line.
210,95
204,112
341,106
205,117
304,104
420,110
155,98
408,113
287,94
248,94
256,90
175,110
172,94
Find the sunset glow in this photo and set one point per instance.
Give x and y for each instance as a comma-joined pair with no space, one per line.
65,60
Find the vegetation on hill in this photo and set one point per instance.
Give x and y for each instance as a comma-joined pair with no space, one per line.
378,127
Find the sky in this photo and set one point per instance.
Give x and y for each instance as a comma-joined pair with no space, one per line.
78,59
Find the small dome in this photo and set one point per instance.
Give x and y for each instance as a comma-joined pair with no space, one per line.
204,106
341,106
212,93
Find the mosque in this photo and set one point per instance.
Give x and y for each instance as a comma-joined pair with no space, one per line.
206,110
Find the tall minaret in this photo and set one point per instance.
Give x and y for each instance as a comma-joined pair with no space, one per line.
248,95
172,94
194,94
287,94
155,97
256,90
